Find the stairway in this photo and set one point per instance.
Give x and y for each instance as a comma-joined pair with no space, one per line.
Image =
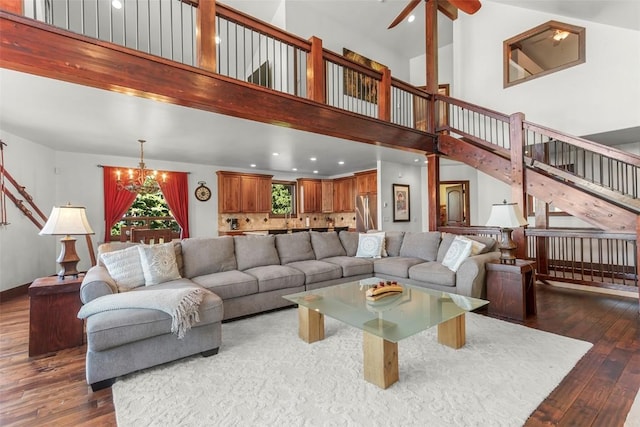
595,183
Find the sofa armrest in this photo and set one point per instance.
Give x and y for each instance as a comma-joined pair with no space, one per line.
96,283
470,277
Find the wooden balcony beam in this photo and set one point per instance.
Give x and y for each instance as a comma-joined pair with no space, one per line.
36,48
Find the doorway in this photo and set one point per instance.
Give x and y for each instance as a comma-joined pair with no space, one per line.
454,203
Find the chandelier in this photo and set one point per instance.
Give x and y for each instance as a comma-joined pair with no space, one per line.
141,180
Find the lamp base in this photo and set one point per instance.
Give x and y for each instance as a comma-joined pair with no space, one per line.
68,258
507,247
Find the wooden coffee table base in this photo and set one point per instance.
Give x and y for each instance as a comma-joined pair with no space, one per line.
380,356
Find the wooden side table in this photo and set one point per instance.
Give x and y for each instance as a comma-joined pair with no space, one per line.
511,289
53,310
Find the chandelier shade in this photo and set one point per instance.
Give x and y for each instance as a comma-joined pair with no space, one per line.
141,180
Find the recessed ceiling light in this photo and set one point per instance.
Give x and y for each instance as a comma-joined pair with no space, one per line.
313,159
253,165
341,162
411,18
416,160
315,171
116,4
294,169
276,154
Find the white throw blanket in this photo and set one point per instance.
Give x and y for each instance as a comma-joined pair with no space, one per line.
181,304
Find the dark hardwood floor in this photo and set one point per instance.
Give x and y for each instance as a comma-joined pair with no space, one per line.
51,390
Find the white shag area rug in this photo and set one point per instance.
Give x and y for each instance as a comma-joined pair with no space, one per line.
633,417
264,375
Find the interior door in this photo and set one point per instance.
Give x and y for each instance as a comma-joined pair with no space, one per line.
455,205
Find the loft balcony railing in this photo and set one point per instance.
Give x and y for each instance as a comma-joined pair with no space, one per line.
246,49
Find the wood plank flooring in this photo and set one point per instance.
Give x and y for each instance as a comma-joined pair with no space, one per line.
51,390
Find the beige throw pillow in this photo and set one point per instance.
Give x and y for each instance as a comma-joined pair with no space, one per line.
476,247
459,250
370,245
124,267
158,263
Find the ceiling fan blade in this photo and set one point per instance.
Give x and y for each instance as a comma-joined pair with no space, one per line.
467,6
405,12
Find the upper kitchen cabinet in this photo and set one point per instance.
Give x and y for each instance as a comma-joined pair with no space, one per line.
309,195
367,182
327,195
246,193
344,194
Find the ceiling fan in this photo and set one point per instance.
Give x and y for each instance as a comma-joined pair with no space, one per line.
448,7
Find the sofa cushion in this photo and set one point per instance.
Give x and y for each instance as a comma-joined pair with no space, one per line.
459,250
317,271
370,245
349,240
228,284
433,272
326,244
294,247
124,266
393,242
395,266
208,255
352,266
111,329
422,245
255,251
158,263
274,277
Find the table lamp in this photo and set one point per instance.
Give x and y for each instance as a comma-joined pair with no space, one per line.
65,221
507,216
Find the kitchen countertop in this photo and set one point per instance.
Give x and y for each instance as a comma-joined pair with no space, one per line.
279,230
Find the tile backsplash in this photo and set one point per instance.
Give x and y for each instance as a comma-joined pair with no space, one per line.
254,222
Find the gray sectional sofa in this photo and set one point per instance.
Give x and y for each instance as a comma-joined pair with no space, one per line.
250,274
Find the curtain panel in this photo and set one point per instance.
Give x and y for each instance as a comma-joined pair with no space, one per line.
116,203
176,193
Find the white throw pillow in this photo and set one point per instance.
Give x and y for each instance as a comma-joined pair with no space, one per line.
158,263
459,250
476,247
384,241
124,267
370,245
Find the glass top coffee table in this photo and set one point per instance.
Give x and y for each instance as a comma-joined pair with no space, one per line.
384,322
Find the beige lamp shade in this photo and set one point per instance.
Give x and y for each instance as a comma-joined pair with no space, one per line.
506,215
67,220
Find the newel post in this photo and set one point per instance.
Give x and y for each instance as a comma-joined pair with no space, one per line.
206,35
315,72
384,96
518,190
13,6
638,254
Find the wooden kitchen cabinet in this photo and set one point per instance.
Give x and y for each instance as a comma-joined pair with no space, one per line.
367,182
344,194
228,192
309,195
327,196
243,193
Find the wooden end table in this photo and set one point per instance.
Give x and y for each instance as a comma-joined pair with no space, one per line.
511,289
53,308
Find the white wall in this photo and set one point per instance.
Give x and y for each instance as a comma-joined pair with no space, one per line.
390,173
603,94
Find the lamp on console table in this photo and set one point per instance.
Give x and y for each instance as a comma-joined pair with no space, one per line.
66,221
507,216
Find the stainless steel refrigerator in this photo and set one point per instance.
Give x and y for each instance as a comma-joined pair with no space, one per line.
366,212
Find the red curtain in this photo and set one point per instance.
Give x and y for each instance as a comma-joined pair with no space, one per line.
176,193
116,203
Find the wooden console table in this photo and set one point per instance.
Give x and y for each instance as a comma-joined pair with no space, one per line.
511,289
53,308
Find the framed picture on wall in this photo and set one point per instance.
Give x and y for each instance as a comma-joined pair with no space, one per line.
401,203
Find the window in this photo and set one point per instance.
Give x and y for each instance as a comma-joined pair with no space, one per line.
542,50
147,211
283,200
